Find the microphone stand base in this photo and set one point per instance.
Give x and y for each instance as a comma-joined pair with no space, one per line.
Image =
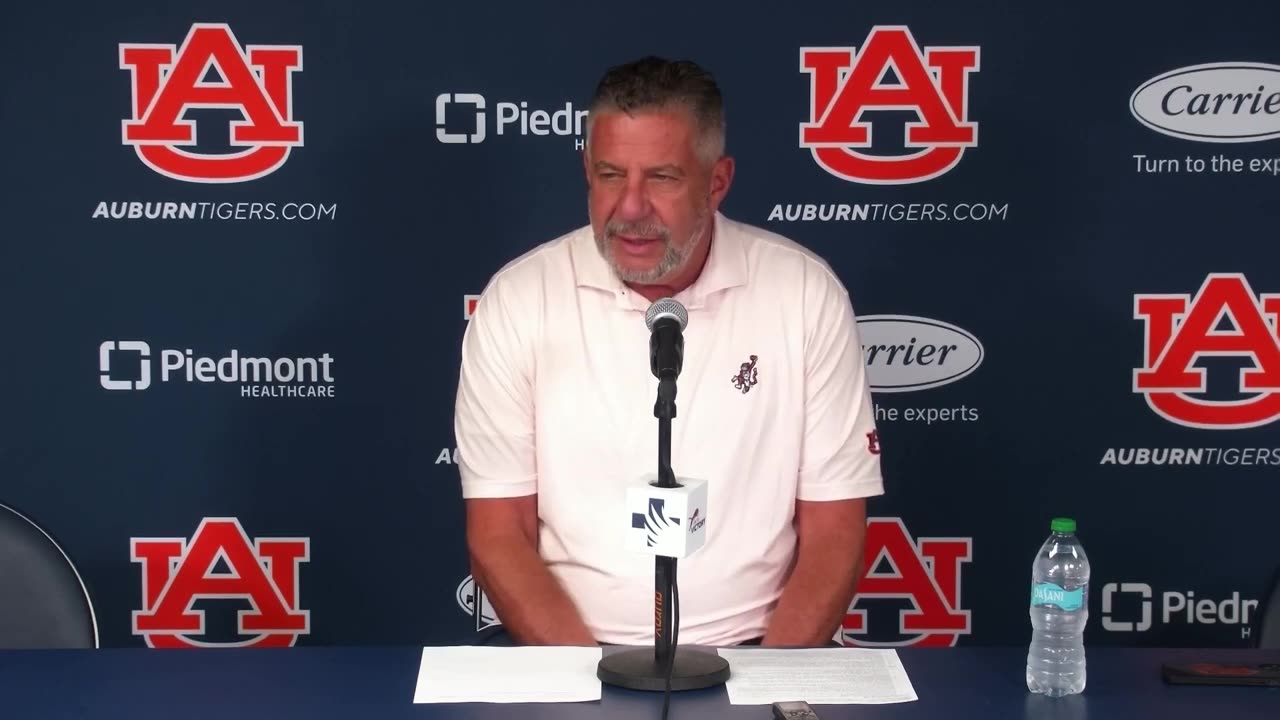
638,669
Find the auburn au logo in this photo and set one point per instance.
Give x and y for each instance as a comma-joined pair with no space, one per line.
845,83
1225,318
925,572
256,80
176,573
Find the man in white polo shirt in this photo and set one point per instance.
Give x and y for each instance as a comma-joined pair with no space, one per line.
554,414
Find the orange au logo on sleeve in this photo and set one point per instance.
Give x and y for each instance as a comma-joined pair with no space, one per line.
168,80
177,573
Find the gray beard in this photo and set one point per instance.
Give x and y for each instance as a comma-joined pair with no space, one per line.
672,258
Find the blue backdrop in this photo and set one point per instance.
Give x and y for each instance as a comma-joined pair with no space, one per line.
240,240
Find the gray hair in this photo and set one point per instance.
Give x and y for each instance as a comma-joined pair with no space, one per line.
653,83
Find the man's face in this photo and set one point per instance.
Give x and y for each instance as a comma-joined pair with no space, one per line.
650,197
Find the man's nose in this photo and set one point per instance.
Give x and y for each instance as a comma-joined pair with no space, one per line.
634,204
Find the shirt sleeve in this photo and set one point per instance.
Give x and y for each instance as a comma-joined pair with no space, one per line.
840,453
494,414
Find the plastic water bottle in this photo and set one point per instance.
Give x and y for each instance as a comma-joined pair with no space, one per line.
1059,613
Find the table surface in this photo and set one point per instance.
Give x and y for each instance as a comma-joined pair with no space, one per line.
322,683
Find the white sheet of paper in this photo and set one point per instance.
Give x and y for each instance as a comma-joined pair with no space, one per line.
461,674
820,676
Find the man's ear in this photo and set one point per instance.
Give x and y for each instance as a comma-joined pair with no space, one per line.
721,179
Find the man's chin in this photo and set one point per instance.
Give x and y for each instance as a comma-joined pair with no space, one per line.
630,265
634,274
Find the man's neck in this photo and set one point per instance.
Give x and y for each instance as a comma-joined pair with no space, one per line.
653,293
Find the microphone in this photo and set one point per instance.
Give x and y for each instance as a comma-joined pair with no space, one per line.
666,320
666,517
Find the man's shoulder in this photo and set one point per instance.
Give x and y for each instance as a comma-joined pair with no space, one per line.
775,259
530,269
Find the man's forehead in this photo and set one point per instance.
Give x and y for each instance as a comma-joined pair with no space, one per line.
644,126
649,138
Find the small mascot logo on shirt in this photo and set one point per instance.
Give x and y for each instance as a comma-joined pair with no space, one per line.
748,375
1225,319
255,80
848,84
696,521
922,586
220,563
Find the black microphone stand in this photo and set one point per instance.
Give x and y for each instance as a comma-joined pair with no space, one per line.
668,666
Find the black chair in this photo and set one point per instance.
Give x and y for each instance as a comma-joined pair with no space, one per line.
43,601
1267,624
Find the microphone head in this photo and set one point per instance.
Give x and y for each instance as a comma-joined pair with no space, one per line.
666,308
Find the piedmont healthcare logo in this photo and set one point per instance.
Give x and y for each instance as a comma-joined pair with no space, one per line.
1131,607
220,563
211,71
1222,103
1210,361
132,365
471,114
851,139
907,353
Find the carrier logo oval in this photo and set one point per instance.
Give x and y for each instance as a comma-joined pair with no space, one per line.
905,353
1231,102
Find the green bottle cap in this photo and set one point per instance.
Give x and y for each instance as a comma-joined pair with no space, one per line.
1063,525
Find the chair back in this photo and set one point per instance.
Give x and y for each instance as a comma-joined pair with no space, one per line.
1267,625
43,601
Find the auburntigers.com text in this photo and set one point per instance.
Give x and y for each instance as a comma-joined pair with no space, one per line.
134,210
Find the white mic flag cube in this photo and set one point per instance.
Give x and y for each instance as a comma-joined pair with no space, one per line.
668,522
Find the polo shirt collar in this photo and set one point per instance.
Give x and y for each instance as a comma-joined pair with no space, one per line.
726,266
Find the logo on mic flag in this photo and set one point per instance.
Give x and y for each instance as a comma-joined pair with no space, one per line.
666,522
655,523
